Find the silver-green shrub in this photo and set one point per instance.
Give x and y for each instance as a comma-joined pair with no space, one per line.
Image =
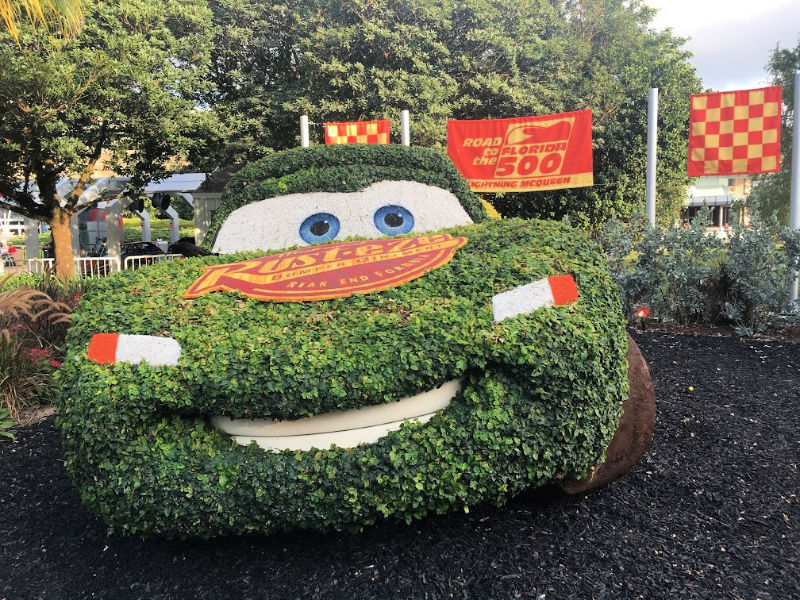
755,277
689,275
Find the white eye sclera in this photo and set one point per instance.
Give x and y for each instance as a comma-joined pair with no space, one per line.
383,208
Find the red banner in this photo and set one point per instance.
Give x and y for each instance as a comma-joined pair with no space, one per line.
358,132
330,270
735,133
523,154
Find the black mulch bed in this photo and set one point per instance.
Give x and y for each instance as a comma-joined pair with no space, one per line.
712,511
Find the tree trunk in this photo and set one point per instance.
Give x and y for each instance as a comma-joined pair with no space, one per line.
62,243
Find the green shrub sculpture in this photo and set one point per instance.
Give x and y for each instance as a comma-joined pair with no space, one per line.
540,399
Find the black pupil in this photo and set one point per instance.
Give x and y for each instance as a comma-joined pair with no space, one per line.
320,228
393,219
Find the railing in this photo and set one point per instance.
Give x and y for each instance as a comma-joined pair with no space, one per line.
134,262
95,266
99,266
40,265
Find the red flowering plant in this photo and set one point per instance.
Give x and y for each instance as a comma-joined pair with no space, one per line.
36,354
43,354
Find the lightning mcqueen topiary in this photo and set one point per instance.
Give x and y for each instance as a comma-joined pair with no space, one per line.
422,358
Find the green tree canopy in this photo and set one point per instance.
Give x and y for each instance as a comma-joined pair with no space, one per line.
462,59
772,191
127,84
615,59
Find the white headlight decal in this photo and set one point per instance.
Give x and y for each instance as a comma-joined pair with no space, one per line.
523,300
110,348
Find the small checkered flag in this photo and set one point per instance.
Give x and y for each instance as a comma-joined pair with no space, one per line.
358,132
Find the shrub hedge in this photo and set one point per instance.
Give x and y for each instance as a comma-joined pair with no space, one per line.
690,275
541,399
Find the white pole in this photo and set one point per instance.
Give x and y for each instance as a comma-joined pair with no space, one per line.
405,130
31,238
174,225
113,232
147,236
794,206
652,128
304,131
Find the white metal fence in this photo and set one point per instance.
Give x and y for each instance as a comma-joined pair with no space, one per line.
134,262
40,265
95,266
99,266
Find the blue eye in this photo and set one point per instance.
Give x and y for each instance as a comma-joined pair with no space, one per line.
319,227
393,220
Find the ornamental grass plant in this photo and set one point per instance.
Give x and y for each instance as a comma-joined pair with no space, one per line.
24,378
35,312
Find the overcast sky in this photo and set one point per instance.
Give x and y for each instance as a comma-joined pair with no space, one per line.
731,39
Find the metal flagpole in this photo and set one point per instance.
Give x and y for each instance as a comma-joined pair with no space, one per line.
304,131
405,132
652,126
794,207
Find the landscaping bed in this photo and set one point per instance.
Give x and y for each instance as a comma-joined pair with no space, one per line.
710,512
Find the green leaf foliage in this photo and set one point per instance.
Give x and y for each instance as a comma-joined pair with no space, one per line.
124,88
690,275
615,59
465,59
541,399
6,424
756,276
772,192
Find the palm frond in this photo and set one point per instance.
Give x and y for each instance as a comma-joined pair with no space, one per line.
64,16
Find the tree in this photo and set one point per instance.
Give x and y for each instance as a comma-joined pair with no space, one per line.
369,59
126,85
772,191
462,59
64,15
616,58
330,60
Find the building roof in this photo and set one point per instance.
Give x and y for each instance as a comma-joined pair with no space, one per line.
716,200
180,182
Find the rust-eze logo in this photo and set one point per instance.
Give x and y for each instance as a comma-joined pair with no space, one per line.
330,270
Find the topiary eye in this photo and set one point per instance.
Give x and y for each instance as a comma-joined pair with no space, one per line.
393,220
319,227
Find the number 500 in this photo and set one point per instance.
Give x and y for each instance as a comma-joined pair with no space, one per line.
508,166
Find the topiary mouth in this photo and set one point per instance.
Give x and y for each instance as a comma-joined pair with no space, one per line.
345,429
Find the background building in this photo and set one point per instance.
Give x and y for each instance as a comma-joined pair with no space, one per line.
722,195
